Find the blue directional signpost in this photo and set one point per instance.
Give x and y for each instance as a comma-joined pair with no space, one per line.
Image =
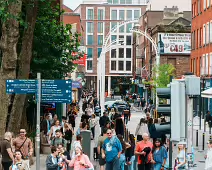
47,91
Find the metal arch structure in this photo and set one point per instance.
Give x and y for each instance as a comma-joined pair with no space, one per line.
107,38
138,31
102,59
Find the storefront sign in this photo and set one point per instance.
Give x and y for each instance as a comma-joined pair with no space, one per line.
81,61
76,85
174,43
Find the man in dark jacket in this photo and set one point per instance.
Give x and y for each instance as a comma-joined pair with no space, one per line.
52,160
208,119
46,125
103,120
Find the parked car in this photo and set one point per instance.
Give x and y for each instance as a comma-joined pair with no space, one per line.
119,105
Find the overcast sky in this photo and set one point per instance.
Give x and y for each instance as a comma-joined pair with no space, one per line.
72,3
184,5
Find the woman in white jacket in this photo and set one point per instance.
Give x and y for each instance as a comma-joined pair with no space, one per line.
141,129
208,157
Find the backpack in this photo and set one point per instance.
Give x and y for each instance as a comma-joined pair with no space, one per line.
53,142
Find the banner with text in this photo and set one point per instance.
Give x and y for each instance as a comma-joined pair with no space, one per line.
174,43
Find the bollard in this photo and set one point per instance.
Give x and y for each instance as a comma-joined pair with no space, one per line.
197,136
203,141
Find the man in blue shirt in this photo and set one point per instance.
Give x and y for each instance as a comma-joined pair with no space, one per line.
111,150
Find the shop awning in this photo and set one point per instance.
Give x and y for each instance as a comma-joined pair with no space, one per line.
207,93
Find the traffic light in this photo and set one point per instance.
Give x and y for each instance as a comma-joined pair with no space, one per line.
164,109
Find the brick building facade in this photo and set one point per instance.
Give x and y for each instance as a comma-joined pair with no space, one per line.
201,54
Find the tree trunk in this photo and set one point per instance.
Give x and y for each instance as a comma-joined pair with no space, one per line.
8,45
24,64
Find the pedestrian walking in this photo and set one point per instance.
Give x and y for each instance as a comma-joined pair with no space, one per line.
208,120
111,150
52,160
92,125
208,157
68,134
89,110
159,155
103,120
77,143
125,145
46,125
119,126
58,139
56,126
80,161
130,156
144,152
126,113
141,129
25,146
71,118
101,140
6,151
180,161
19,163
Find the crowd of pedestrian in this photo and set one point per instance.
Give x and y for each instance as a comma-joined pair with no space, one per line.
114,150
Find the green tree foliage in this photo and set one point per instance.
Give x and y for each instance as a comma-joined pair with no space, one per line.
163,74
53,44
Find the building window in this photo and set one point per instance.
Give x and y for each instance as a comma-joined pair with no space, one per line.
197,39
113,53
129,26
89,64
99,52
128,65
115,1
194,66
129,14
128,40
100,39
114,15
204,4
89,39
121,14
122,1
113,38
100,14
200,37
206,64
204,32
89,53
113,25
208,3
136,14
121,29
207,35
199,6
121,65
90,14
211,31
128,53
121,53
210,63
89,27
100,27
113,65
128,1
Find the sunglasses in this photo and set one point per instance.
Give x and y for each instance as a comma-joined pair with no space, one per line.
109,133
22,132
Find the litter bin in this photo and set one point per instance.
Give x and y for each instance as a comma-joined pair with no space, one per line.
86,142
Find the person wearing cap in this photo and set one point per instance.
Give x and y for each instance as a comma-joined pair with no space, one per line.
208,157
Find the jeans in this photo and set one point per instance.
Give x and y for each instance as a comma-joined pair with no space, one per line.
131,166
157,166
122,161
114,165
6,165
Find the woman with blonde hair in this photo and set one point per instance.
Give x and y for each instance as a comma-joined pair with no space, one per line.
180,161
6,151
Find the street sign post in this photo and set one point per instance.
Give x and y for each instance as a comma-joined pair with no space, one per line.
47,91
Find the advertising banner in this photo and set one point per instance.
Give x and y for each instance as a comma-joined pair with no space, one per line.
174,43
